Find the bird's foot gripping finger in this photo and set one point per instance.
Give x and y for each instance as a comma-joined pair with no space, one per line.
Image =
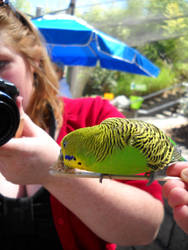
59,167
150,176
67,170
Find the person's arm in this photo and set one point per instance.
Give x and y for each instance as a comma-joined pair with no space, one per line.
176,193
116,212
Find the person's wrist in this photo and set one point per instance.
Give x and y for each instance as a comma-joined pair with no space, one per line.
54,153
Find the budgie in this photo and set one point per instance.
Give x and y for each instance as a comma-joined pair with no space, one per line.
118,146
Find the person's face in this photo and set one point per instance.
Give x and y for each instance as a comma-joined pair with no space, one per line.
13,68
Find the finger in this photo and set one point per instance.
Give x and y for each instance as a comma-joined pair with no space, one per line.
29,128
169,185
19,103
25,122
178,196
175,169
181,217
184,175
21,124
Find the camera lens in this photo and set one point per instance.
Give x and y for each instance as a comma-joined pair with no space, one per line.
9,118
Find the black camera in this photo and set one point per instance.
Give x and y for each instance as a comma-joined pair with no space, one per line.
9,113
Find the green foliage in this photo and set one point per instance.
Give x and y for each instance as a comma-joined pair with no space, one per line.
123,86
100,81
181,70
120,83
170,53
165,79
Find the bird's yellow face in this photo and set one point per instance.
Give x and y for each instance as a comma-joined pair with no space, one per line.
76,149
71,152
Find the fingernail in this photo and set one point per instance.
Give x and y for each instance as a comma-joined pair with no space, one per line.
184,174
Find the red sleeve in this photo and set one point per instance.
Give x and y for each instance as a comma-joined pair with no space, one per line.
90,111
85,112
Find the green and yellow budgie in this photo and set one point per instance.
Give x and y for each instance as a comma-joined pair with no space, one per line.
118,146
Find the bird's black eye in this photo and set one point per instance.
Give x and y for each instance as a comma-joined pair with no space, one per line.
64,144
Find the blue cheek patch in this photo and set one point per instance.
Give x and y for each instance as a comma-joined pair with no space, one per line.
70,157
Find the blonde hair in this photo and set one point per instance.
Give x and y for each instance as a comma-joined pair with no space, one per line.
22,36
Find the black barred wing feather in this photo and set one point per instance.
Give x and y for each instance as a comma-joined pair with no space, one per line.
150,140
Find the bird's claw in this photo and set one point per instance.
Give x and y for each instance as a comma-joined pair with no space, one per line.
150,176
102,177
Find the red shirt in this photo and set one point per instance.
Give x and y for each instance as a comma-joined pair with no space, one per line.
74,234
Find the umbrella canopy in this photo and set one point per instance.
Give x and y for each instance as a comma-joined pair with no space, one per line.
72,41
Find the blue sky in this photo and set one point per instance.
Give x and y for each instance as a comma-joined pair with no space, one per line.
49,4
63,4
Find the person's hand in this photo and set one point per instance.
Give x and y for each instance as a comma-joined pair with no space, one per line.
176,193
26,160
